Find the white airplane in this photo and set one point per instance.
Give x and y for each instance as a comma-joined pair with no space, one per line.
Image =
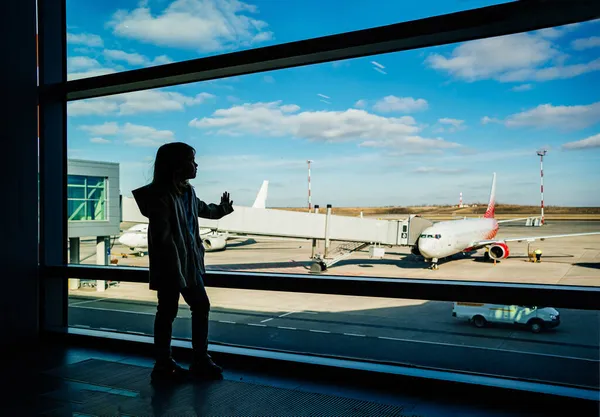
448,238
136,237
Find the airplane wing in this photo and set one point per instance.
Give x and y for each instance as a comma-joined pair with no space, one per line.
483,243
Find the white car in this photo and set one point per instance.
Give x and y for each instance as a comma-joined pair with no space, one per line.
536,318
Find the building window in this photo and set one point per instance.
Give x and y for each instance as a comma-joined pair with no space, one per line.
86,198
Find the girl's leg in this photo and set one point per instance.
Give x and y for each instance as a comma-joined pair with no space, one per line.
197,299
166,312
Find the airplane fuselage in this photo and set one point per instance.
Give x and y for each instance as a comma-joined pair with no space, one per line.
448,238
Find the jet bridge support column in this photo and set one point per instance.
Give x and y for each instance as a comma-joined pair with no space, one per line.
102,257
314,241
74,256
327,221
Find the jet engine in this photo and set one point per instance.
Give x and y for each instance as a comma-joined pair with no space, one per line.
214,243
499,251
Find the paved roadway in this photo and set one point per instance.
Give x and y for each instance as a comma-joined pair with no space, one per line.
422,334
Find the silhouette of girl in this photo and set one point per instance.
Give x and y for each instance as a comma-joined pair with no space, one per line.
176,257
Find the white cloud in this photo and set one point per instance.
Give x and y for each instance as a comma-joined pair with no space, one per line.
555,33
323,95
129,133
360,104
204,25
412,144
522,87
135,58
564,117
158,101
147,101
377,64
454,122
436,170
400,104
277,120
97,107
588,143
512,58
455,125
325,101
268,79
107,128
586,43
485,120
91,73
101,141
86,39
76,63
380,70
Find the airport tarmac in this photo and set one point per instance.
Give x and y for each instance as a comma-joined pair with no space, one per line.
415,332
567,261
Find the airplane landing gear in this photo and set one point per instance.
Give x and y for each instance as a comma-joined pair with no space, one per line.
434,264
318,267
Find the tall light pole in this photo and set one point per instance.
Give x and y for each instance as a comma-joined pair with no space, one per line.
541,154
309,196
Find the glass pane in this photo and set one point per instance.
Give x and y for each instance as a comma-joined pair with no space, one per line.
559,346
95,182
76,192
96,210
409,139
108,37
76,180
76,210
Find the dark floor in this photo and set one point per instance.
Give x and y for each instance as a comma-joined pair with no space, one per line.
73,380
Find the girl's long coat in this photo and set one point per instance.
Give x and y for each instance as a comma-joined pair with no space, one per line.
176,257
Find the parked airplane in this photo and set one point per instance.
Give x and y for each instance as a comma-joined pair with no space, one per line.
447,238
136,237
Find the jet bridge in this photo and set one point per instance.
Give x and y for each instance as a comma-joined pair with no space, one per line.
269,222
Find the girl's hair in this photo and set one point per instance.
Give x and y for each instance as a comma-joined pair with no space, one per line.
169,159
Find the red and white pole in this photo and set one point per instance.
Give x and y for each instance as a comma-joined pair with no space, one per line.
460,203
541,154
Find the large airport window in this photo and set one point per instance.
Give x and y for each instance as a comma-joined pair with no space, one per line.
474,162
109,37
86,198
430,160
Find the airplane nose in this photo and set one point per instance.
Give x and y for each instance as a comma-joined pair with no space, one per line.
425,248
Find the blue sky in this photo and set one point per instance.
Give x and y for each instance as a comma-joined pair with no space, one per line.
415,127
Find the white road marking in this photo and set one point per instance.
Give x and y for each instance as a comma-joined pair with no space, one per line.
354,334
287,328
131,331
264,321
109,329
489,348
255,324
319,331
86,302
287,314
227,321
85,326
119,311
